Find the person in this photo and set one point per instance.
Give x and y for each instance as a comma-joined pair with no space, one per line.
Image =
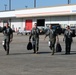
68,39
53,37
8,36
35,38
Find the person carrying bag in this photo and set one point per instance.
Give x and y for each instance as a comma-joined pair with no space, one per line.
52,38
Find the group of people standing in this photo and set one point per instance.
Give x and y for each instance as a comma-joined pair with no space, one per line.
53,38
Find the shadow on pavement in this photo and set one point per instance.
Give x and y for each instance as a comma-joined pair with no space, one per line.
43,52
28,53
19,53
71,53
57,53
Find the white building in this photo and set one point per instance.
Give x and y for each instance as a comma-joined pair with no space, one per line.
64,15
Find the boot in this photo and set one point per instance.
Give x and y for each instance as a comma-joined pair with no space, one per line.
53,51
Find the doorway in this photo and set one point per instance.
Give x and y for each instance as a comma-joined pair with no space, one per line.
40,22
28,24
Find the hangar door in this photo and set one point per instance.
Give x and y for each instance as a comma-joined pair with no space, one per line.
40,22
28,24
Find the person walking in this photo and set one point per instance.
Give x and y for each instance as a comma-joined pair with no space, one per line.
68,39
53,37
35,38
8,36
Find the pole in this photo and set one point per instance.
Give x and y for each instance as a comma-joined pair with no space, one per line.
9,4
10,10
34,3
5,6
69,1
25,6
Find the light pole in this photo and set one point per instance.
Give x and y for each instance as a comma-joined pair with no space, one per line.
69,1
5,6
9,4
10,10
25,6
34,3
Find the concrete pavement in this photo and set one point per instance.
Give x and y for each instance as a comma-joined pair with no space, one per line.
20,61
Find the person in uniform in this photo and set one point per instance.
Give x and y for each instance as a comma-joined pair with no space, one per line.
68,39
8,36
53,37
35,38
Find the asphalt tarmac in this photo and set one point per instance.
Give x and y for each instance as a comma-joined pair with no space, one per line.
20,61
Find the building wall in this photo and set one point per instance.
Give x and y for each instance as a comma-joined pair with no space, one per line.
47,20
16,23
21,22
1,23
37,12
64,15
7,14
72,19
47,11
62,20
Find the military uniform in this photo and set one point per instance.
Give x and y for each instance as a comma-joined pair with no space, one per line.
52,38
8,35
35,39
68,40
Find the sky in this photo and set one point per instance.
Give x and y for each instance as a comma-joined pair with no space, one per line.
21,4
